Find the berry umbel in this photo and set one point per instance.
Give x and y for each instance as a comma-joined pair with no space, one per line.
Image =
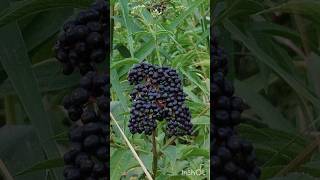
158,95
231,156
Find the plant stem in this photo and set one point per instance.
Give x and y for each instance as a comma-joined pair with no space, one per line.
155,155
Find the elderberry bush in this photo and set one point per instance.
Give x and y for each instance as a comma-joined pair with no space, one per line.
158,95
84,39
231,156
88,107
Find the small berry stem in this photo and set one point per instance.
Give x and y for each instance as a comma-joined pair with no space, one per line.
155,155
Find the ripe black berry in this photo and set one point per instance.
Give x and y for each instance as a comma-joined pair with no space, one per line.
157,95
83,41
232,157
87,106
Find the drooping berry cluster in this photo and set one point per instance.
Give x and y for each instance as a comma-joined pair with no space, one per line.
83,43
88,106
158,95
84,40
231,157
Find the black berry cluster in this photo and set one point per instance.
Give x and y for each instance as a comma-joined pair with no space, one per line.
82,44
232,158
88,107
158,95
84,40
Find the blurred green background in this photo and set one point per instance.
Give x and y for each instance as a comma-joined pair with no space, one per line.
273,48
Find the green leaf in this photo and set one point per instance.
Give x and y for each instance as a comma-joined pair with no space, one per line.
195,152
313,72
128,61
128,23
149,46
49,78
16,63
123,50
309,8
250,43
20,149
202,120
145,50
118,89
25,8
275,29
44,165
268,136
171,154
119,162
43,26
177,21
240,8
269,114
191,95
193,77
